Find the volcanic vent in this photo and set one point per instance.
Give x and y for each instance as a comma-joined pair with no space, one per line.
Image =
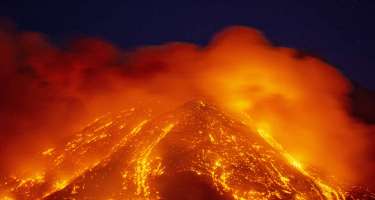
194,152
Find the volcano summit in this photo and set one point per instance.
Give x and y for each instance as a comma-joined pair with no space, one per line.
194,152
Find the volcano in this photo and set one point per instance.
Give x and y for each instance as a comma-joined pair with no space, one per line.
194,152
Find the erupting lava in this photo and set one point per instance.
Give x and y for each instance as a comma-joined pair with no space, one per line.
194,152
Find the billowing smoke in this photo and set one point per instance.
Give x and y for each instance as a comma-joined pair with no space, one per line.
47,91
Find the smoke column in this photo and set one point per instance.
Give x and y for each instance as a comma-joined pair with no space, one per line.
48,91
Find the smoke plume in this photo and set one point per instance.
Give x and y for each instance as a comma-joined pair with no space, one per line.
47,91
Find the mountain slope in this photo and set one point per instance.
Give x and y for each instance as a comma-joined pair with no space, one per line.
195,152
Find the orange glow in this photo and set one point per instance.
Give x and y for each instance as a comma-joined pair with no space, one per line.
297,105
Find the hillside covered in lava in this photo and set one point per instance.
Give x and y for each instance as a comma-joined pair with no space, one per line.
193,152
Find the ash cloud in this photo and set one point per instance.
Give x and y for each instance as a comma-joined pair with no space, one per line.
48,91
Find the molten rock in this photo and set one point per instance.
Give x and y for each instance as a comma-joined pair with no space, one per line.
195,152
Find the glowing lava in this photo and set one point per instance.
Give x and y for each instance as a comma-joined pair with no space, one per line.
194,152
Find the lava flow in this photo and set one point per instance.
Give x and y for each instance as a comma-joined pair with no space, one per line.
194,152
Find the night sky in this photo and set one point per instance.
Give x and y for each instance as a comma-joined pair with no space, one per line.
340,31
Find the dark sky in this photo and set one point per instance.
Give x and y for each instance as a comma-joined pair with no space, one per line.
340,31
